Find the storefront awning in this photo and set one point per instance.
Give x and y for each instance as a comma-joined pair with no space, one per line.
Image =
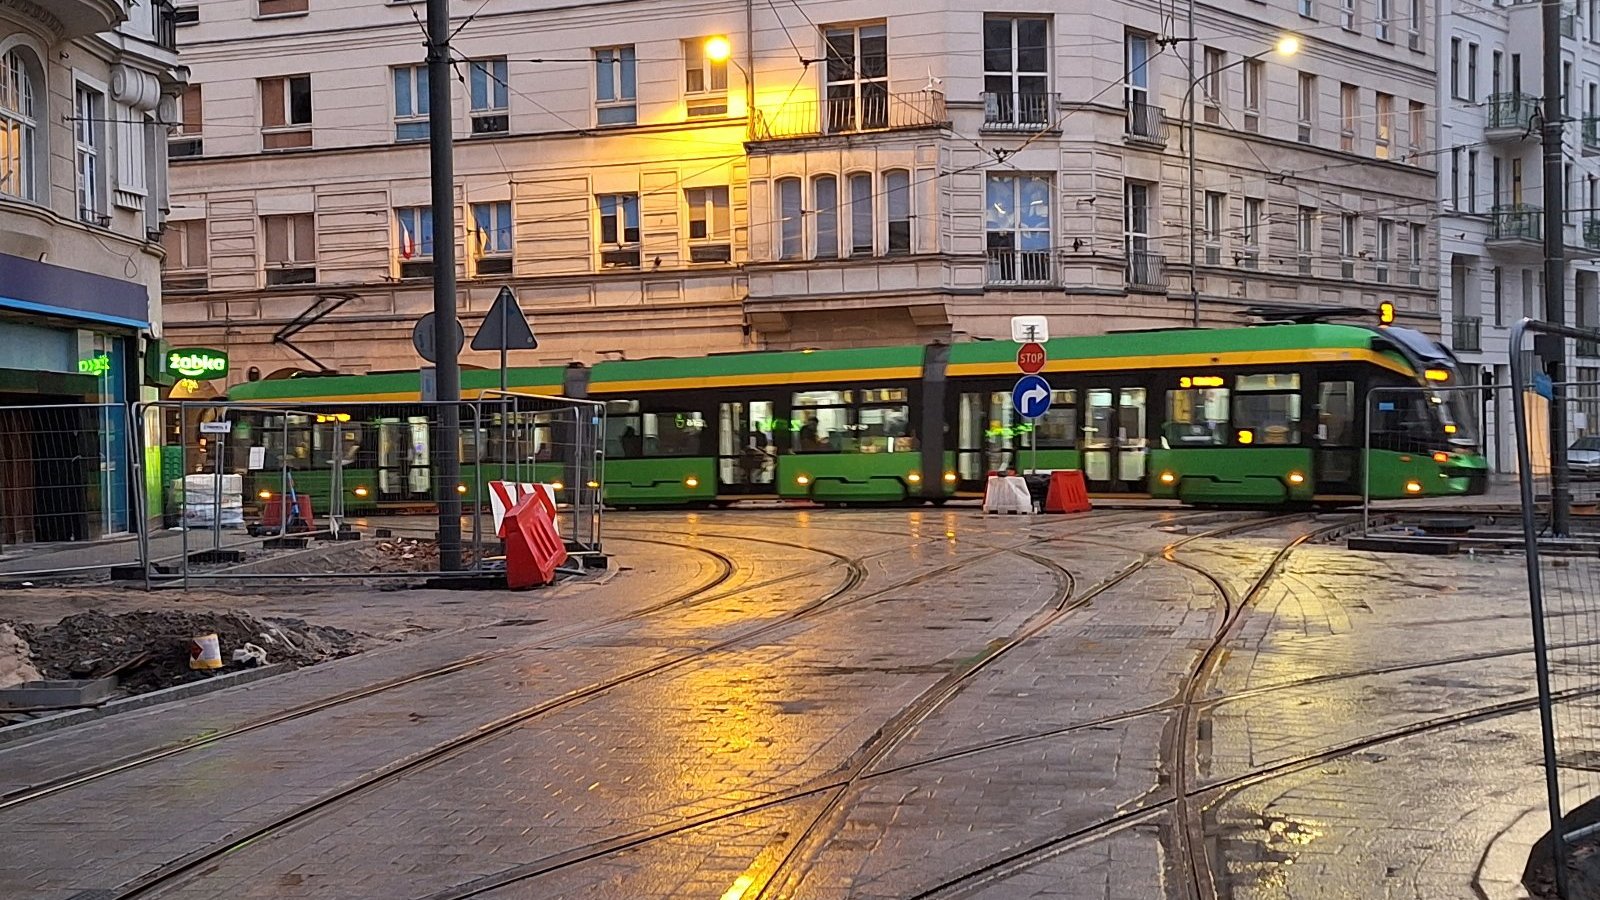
53,290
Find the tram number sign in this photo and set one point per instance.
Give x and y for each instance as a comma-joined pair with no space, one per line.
1031,358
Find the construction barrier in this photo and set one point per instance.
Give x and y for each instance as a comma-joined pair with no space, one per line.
1068,492
1007,494
533,548
283,510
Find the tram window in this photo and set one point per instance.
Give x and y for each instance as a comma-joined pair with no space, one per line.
1285,381
1196,417
871,420
1273,419
635,435
1057,429
1336,414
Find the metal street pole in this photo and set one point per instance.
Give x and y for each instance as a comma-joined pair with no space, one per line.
441,170
1555,296
1194,286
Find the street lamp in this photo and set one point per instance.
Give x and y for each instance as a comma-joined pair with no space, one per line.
719,49
1287,45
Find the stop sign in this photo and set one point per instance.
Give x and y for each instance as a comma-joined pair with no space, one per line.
1030,358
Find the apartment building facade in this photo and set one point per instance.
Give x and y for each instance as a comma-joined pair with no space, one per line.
83,200
655,179
1493,195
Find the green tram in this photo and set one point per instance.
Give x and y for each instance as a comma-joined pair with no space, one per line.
1256,416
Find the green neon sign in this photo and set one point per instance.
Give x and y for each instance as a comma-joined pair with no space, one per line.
199,363
99,364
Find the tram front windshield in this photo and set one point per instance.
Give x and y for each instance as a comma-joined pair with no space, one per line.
1456,407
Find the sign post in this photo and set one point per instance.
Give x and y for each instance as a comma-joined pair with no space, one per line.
1031,399
1031,396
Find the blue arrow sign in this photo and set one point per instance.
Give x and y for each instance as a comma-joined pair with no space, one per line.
1031,396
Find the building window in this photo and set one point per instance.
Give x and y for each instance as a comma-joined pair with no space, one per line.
1307,113
1017,233
133,176
20,112
493,237
291,249
184,269
1472,181
1385,250
286,112
89,139
1455,68
1496,76
1495,179
1385,133
1215,214
411,103
616,86
1418,243
1349,116
488,88
1566,89
1472,72
1143,120
1255,79
1347,15
705,81
1418,130
1213,84
791,221
1349,228
857,77
1414,25
1305,238
183,137
1385,10
861,230
1308,8
825,201
1455,178
897,199
1566,194
1252,233
709,228
266,8
619,231
1016,71
413,236
1143,267
1499,296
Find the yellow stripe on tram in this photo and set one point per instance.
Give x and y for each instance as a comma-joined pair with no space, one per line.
756,380
1190,360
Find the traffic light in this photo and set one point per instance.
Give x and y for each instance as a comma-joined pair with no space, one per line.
1385,313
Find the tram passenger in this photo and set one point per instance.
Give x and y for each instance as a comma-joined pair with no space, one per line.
808,434
632,443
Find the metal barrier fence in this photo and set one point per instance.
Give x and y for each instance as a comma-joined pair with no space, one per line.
1563,578
1397,419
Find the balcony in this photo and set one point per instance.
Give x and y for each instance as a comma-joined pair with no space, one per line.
1591,136
1586,348
80,18
1147,271
1591,234
1520,224
1021,268
1147,124
1018,112
1466,333
870,111
1511,117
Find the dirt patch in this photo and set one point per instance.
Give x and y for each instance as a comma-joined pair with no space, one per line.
1582,861
156,643
16,663
403,554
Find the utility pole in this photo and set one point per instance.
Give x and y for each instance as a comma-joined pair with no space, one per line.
1555,250
446,329
1188,114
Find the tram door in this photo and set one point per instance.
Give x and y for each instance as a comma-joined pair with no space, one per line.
403,458
747,452
1339,440
1115,446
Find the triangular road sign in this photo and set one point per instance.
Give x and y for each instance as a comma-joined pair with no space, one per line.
505,327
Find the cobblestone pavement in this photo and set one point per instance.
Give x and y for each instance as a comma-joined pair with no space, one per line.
872,704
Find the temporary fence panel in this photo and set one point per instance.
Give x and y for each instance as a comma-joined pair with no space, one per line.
1401,447
1563,579
550,440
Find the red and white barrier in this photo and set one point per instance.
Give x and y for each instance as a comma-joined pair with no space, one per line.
503,495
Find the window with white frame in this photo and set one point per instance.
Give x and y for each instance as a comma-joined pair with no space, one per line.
825,206
862,231
1417,130
413,241
1143,119
492,238
1017,229
21,108
1143,268
1384,138
285,112
1308,8
1306,112
183,137
1349,116
616,86
1414,25
857,73
1380,268
710,232
1347,15
1472,181
290,244
1255,81
1251,257
1216,213
619,231
184,268
488,93
89,144
1384,26
897,208
1419,242
1213,84
1349,231
705,81
1016,71
411,103
791,219
1305,238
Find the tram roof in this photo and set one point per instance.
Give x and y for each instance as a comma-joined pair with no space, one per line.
1187,348
393,387
757,369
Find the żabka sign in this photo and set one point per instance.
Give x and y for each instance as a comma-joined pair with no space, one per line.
199,363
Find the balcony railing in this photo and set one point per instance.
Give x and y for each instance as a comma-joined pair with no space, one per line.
1591,135
1147,123
165,24
1512,113
1591,233
867,111
1466,332
1517,223
1569,24
1018,111
1021,267
1146,270
1587,348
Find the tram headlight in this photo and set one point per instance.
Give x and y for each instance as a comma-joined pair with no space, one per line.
264,494
360,492
1449,429
1168,477
802,479
1297,478
461,489
949,478
1413,487
594,485
557,486
1440,456
691,482
914,477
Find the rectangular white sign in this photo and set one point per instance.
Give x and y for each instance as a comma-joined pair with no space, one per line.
1030,329
258,458
216,427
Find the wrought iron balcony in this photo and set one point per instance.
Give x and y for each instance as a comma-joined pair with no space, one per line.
1018,111
1147,271
866,111
1466,333
1511,117
1517,223
1587,348
1147,123
1591,136
1033,268
1591,233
